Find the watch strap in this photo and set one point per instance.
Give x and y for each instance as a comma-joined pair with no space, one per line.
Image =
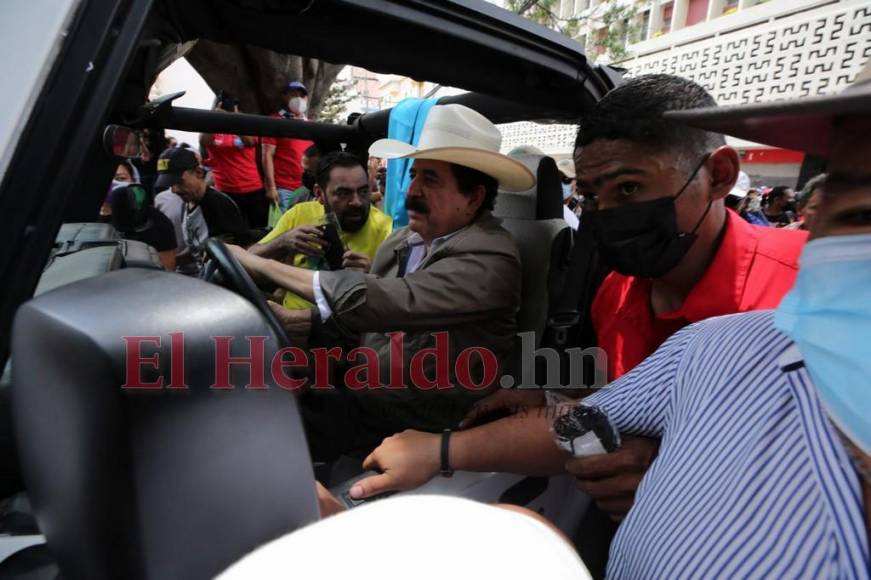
446,469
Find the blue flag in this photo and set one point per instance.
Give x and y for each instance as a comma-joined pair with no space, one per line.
406,122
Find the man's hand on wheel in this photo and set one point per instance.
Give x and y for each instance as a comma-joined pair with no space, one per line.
611,479
406,460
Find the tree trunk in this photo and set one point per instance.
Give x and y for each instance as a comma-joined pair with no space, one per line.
256,75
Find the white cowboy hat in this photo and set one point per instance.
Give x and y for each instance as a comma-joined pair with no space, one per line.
801,125
417,536
459,135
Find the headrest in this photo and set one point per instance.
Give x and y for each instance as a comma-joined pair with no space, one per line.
544,201
145,482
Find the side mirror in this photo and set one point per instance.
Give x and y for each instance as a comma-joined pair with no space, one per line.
121,141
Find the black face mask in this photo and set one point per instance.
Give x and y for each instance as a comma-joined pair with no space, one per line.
642,239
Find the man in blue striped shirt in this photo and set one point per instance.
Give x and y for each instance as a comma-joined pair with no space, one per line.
765,418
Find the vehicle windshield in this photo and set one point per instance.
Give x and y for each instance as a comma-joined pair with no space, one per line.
573,260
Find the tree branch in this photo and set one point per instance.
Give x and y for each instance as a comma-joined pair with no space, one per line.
255,75
526,7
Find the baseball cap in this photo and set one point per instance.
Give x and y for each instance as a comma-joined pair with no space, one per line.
171,164
742,186
294,86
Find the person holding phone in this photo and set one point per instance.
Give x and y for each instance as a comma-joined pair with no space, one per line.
341,215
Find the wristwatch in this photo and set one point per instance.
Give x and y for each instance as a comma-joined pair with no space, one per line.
446,469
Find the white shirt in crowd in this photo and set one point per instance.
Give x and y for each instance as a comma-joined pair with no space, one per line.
571,218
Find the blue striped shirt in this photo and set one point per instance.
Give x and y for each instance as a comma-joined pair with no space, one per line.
751,480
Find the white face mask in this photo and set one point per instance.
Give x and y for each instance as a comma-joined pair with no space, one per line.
298,105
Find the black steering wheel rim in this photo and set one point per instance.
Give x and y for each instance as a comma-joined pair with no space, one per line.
240,282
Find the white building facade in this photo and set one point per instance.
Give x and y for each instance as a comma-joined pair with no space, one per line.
741,51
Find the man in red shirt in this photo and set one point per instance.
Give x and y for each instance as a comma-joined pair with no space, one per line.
679,256
282,158
752,269
234,167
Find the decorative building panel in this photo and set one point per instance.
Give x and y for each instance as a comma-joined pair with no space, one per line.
815,52
811,53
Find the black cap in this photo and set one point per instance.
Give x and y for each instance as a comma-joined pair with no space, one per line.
294,86
171,164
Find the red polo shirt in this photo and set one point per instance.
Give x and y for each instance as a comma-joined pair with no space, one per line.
234,166
753,269
287,162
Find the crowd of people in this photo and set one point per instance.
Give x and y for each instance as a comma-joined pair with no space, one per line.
735,348
238,188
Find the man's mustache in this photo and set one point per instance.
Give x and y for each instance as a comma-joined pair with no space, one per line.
416,204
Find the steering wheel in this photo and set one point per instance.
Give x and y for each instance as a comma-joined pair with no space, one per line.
224,269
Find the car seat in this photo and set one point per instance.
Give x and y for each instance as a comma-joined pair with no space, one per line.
535,220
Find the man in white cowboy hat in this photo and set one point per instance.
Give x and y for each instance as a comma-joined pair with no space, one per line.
448,281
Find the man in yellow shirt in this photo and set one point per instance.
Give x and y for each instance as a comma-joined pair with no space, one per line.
342,187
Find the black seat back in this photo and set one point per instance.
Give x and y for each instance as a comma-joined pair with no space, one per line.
152,483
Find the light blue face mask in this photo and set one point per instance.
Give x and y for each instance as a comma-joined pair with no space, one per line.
828,315
567,190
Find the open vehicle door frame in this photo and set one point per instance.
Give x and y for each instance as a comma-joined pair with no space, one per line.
109,58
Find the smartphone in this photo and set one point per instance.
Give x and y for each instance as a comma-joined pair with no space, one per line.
335,248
